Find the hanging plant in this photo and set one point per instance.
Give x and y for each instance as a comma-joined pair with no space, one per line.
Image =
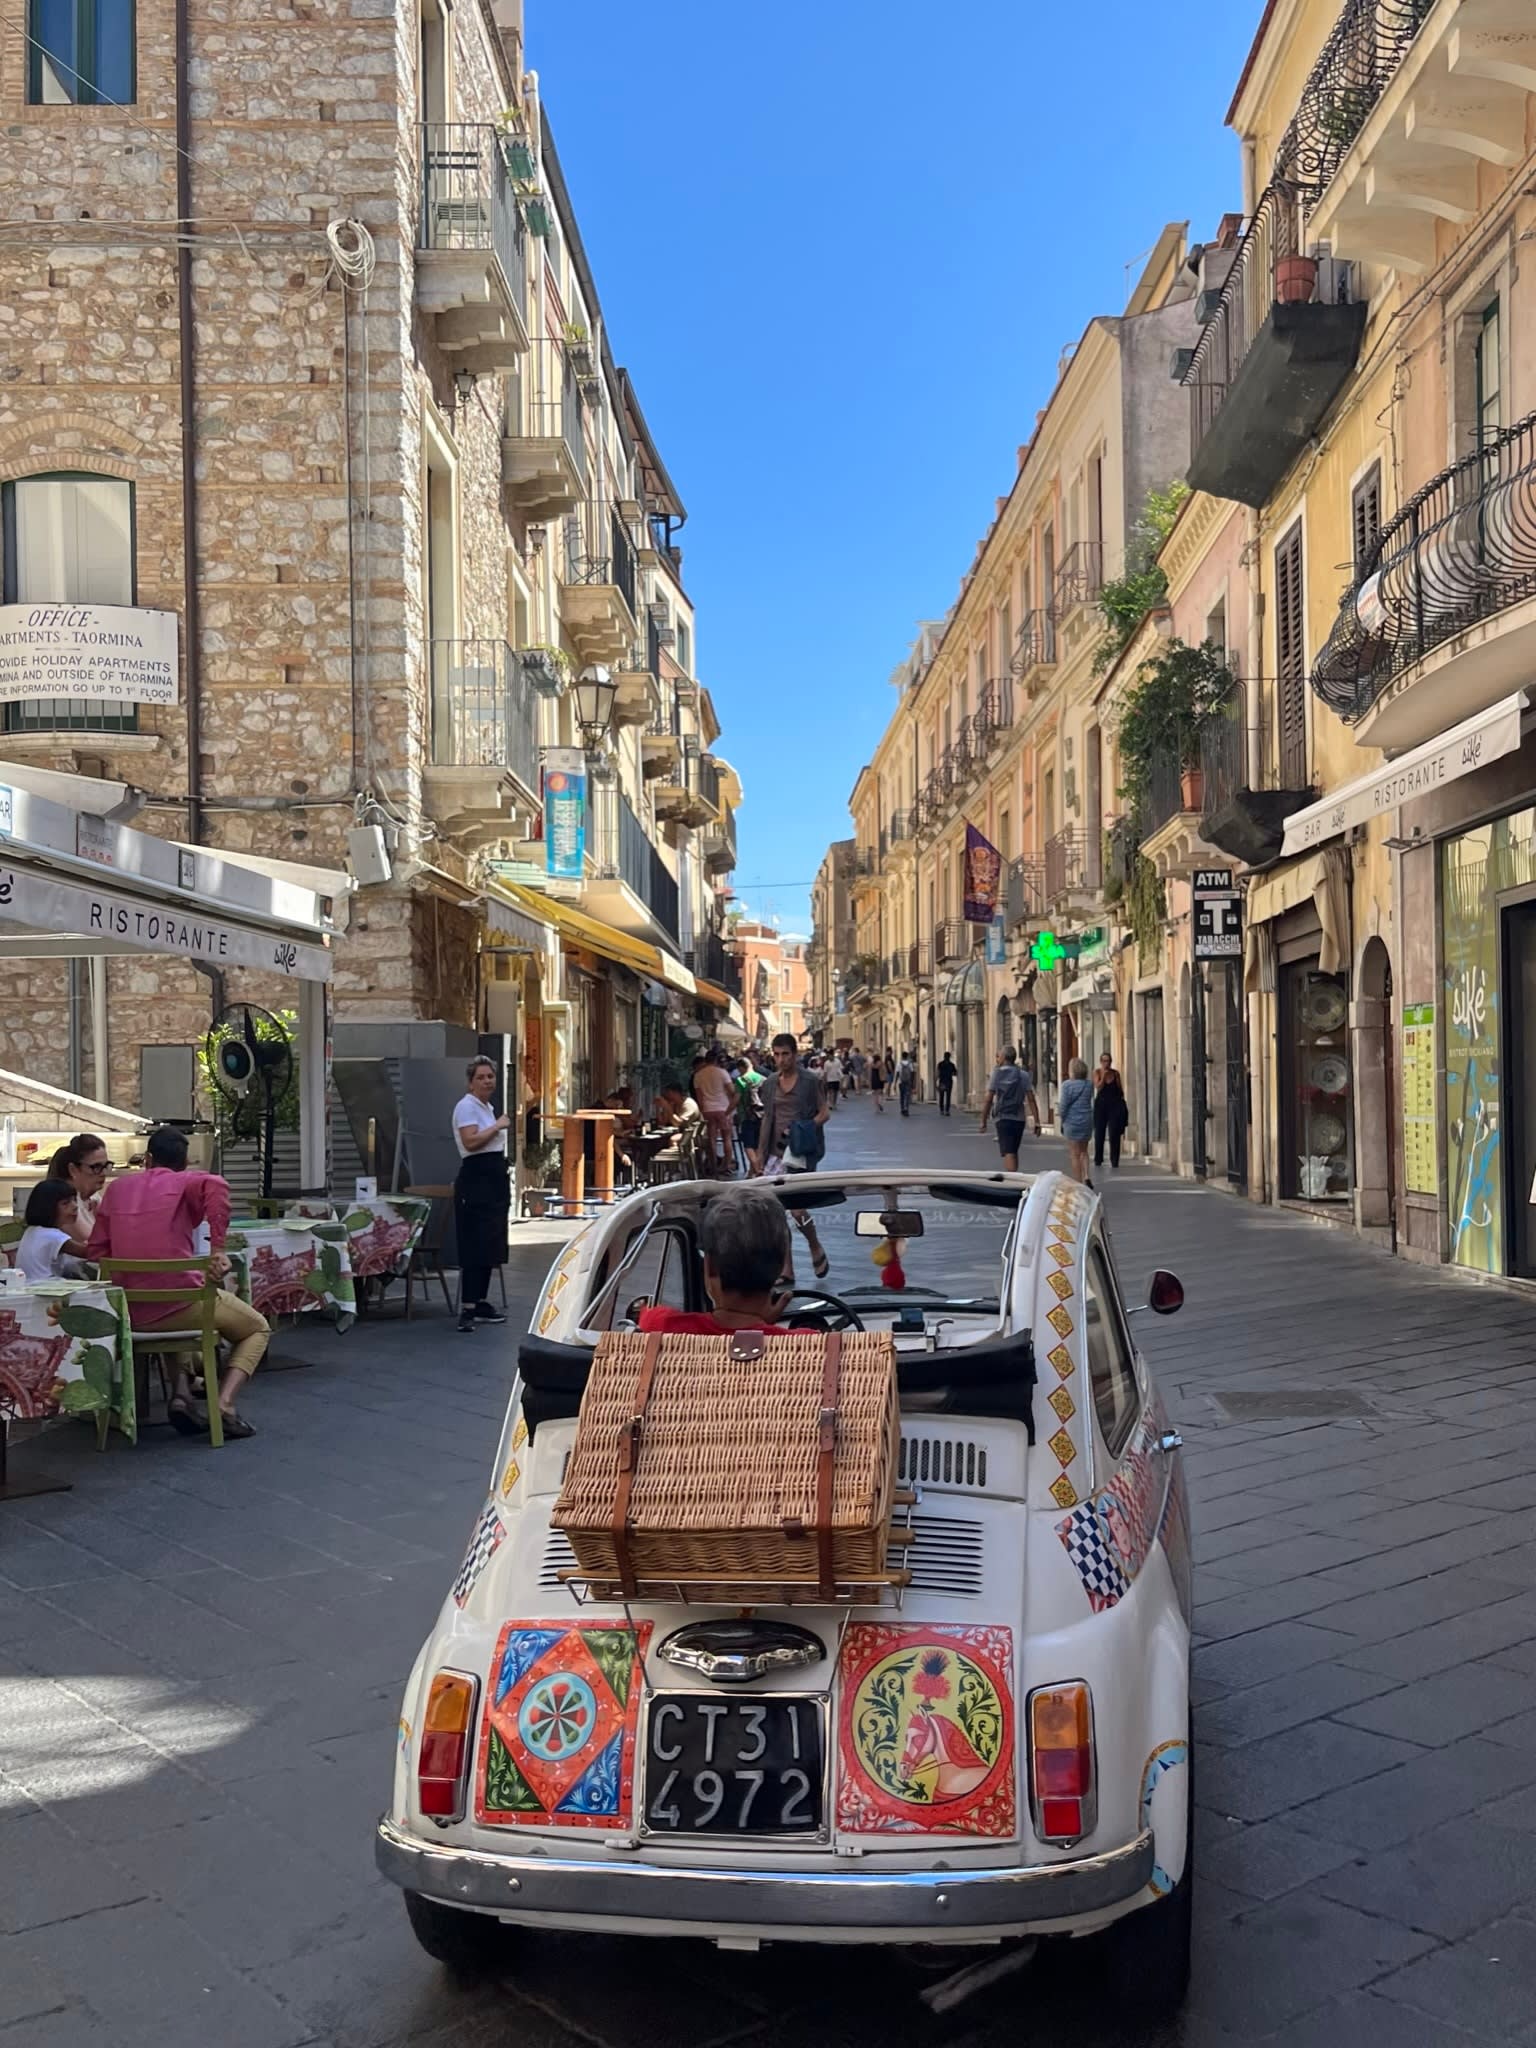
1146,910
1177,694
1124,601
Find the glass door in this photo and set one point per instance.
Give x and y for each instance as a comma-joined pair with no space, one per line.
1519,1090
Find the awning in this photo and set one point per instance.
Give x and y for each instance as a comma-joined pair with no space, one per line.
597,937
1468,746
967,989
711,992
1323,881
512,928
1094,990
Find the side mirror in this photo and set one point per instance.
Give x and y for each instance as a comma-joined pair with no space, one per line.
1165,1293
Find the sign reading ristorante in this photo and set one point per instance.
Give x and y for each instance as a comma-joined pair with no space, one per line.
113,652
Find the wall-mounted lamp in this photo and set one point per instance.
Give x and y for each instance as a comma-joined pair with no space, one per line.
464,385
537,535
595,694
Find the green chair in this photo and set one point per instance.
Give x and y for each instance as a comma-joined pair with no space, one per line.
192,1334
11,1233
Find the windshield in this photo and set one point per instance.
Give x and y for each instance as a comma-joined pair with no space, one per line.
958,1257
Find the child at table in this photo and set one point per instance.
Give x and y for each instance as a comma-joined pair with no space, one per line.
53,1242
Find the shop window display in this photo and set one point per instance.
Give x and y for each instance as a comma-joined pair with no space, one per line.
1317,1083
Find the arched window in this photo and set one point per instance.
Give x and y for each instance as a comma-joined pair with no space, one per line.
80,52
67,536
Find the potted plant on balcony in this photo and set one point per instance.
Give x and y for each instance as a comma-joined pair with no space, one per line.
578,348
546,670
1178,692
1295,279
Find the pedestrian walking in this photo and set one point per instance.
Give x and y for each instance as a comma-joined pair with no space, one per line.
1011,1104
890,1072
832,1078
906,1076
877,1082
1110,1114
790,1138
482,1194
945,1076
857,1067
716,1098
1074,1115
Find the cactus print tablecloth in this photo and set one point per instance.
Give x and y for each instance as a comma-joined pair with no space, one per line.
66,1351
284,1270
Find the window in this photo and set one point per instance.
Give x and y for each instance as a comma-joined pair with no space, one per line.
1291,660
1365,515
685,647
80,53
1004,833
1116,1399
1490,410
68,536
658,1278
1004,636
1216,625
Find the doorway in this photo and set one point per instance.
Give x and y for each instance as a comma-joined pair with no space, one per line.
1377,1118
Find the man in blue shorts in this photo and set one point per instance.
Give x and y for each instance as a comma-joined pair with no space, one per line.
1011,1098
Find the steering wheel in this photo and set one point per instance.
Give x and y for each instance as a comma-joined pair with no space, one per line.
842,1316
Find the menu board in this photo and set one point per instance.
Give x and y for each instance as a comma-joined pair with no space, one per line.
1420,1161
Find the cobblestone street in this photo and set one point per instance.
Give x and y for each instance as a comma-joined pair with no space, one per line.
201,1655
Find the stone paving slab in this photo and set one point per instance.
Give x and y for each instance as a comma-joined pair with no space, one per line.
201,1654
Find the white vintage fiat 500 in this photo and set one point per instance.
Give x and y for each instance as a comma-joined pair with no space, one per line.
998,1748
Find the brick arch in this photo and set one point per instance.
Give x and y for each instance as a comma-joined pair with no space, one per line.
109,450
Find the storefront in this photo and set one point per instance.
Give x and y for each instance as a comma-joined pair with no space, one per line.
964,1031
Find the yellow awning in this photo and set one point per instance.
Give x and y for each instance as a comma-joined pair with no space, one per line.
597,937
710,992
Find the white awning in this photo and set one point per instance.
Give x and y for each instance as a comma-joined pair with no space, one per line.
1089,989
1468,746
512,929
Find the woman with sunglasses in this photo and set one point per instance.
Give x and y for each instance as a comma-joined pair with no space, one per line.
84,1163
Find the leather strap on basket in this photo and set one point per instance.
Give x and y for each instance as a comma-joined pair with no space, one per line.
826,1463
629,1460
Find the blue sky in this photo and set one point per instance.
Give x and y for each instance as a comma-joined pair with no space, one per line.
840,247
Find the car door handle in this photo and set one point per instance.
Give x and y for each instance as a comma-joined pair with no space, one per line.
1170,1440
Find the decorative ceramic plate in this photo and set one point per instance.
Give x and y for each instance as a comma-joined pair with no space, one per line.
1331,1074
1323,1006
1327,1134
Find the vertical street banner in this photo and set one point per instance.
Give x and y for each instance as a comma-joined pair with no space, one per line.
997,942
983,877
565,812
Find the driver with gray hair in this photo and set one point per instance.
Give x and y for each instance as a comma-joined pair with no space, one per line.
744,1240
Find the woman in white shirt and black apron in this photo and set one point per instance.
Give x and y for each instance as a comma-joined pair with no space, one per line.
482,1194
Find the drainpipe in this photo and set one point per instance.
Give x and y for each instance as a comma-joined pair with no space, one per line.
101,1065
192,630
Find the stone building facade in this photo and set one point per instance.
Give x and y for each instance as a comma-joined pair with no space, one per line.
357,423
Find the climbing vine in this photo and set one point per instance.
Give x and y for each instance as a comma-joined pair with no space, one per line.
1146,906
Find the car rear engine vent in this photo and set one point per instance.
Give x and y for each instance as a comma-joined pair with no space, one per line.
945,1556
942,1461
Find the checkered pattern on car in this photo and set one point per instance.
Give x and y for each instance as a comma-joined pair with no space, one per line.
1095,1563
484,1542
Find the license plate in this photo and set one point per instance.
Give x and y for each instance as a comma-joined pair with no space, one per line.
733,1767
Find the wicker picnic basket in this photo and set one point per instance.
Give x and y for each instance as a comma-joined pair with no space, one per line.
744,1468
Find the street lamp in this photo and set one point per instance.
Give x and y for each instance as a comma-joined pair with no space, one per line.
595,694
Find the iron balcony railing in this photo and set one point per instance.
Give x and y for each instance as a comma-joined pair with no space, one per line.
1234,758
1168,783
467,200
483,713
953,941
711,959
1034,644
598,549
709,781
544,401
862,861
1079,579
914,962
1460,551
624,852
668,723
901,827
901,959
1358,62
1024,896
1066,863
994,712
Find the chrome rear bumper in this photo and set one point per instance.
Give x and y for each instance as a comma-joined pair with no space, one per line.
920,1905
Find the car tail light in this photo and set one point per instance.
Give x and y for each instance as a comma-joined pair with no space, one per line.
442,1763
1063,1795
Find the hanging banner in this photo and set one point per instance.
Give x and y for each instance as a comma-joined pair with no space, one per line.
111,652
1218,913
565,812
997,942
983,877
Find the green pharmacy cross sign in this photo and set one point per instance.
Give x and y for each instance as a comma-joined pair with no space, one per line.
1048,952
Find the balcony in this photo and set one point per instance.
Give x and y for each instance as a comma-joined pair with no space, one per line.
994,714
639,681
1406,103
631,887
1242,812
543,443
1067,871
953,943
862,862
661,744
712,961
471,248
1442,622
483,778
1168,823
1034,651
720,844
1272,358
1024,892
1078,581
597,576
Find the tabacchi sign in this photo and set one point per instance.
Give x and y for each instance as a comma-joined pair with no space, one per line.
113,652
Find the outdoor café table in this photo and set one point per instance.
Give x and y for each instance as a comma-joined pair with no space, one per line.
66,1349
293,1266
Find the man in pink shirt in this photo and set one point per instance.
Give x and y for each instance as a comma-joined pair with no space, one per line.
153,1215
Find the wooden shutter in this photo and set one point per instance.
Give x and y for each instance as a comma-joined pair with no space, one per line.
1365,520
1291,660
